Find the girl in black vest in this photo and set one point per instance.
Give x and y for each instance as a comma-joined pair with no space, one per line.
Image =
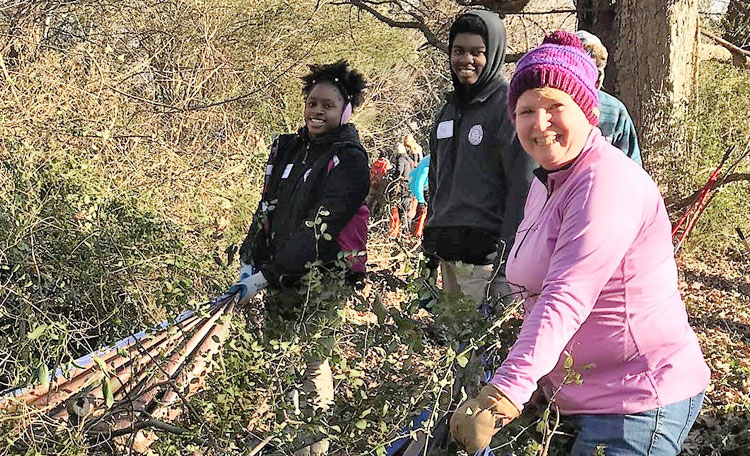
311,210
319,173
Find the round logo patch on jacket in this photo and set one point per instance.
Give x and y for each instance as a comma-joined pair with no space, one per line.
475,135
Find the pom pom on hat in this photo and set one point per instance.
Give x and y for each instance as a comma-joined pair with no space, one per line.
560,62
563,38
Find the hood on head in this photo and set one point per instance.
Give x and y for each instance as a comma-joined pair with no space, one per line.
495,53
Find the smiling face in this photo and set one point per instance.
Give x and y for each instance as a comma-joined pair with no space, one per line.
468,57
552,128
323,108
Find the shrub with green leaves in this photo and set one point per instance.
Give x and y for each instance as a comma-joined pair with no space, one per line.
682,154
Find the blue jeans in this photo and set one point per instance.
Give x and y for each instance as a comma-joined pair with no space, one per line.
656,432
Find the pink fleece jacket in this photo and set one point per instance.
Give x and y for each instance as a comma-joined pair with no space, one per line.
593,256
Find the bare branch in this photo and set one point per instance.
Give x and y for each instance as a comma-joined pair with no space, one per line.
543,13
420,22
734,49
429,35
260,446
499,6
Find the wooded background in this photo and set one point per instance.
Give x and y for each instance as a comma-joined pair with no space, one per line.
133,138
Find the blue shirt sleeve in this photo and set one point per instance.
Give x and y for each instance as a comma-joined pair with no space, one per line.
418,179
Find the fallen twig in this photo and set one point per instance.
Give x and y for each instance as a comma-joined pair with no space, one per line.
259,446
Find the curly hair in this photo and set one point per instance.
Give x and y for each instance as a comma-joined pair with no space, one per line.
350,82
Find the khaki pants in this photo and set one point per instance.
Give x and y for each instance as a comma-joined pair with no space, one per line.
318,382
470,279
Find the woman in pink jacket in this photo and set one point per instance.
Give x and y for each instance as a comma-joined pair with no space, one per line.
593,259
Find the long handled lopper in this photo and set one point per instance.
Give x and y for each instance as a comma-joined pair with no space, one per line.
702,199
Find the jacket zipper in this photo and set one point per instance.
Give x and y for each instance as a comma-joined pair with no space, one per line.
549,194
301,178
307,149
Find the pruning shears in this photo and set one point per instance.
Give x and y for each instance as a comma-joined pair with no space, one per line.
702,199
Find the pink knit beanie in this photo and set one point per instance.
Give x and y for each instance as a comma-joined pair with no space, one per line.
560,63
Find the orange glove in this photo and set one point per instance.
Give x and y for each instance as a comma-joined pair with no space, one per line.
477,420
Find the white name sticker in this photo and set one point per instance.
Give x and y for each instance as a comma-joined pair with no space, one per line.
445,129
287,170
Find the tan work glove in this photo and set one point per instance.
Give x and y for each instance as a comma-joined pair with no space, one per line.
477,420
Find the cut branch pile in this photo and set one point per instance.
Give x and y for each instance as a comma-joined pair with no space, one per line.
120,395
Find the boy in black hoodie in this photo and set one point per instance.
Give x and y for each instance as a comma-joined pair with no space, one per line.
479,175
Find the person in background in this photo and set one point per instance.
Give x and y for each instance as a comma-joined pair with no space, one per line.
478,173
417,185
413,148
379,182
407,205
404,162
319,173
614,120
593,258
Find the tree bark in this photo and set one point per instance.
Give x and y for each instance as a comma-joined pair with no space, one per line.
599,17
656,56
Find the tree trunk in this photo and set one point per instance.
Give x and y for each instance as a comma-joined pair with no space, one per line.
656,56
598,17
